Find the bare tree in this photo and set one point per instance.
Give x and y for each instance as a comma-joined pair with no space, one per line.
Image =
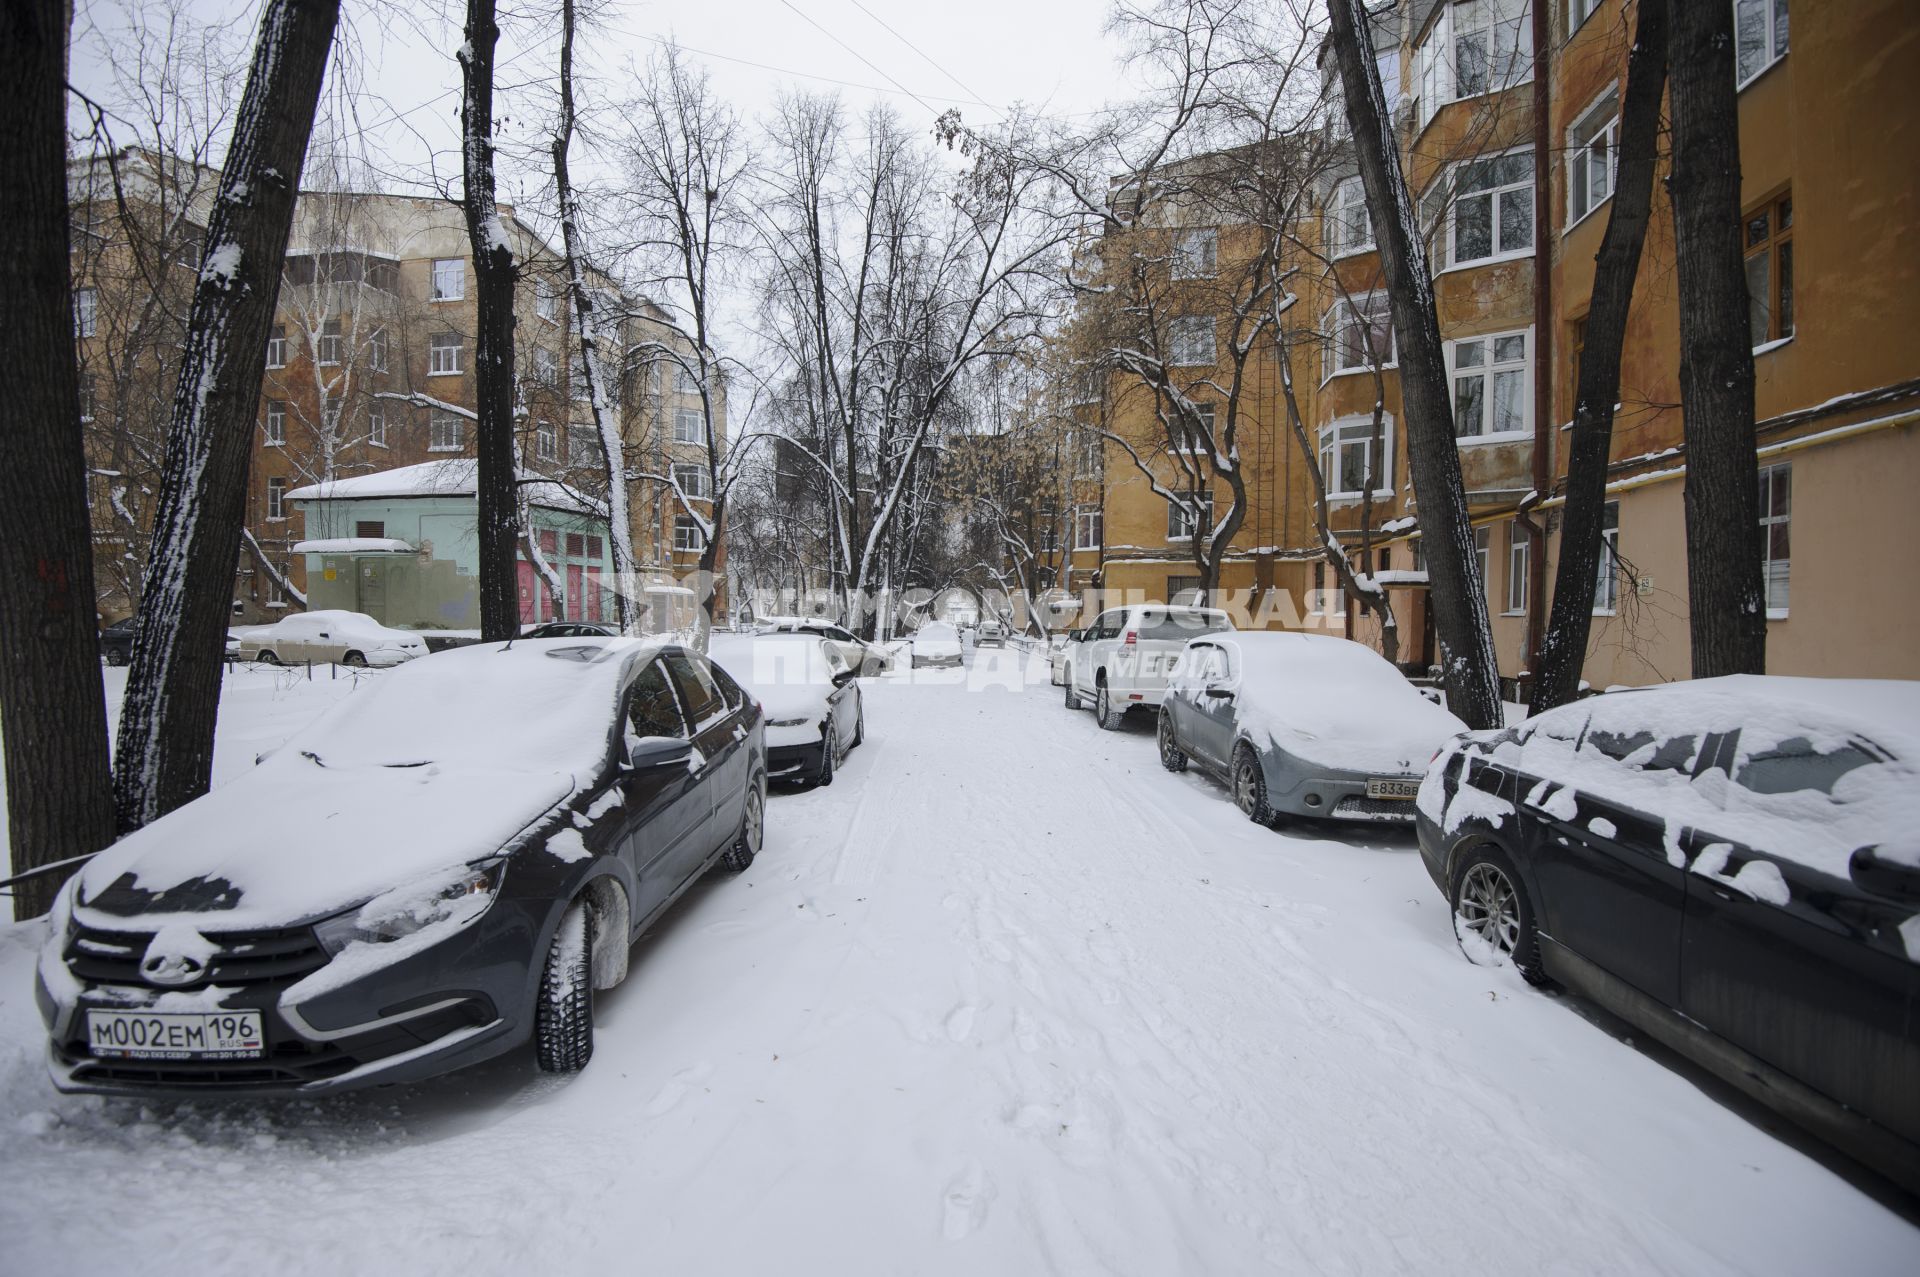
165,750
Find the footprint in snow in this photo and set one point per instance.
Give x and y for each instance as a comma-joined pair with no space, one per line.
676,1090
960,1023
966,1202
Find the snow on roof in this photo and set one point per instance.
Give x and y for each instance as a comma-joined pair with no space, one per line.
353,545
449,477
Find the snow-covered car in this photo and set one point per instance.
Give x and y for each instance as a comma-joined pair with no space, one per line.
348,638
1730,865
116,642
445,866
868,658
1057,658
810,696
1301,725
936,644
991,634
1122,660
570,629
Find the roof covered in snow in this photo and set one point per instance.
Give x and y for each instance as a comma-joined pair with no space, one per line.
354,545
450,477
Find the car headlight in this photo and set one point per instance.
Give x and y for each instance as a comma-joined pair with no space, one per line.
396,914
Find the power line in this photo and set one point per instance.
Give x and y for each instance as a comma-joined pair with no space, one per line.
856,53
925,56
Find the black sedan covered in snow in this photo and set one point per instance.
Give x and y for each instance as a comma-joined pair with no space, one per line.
447,865
809,694
1731,865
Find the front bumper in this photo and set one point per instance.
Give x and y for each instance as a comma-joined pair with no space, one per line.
1334,795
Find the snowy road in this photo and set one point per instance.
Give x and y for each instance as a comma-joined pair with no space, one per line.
1006,998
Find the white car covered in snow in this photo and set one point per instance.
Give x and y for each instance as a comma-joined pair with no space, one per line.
936,644
348,638
810,694
1122,660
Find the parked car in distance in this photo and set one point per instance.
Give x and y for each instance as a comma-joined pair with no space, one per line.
936,644
868,658
116,642
347,638
991,634
1122,660
570,629
1057,657
811,697
1301,725
1730,865
461,855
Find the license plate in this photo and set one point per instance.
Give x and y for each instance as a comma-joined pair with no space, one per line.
1393,789
153,1035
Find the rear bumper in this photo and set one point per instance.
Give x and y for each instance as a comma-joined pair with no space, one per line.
1332,795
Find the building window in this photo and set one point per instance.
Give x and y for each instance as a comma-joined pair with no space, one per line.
1759,36
1190,341
377,425
276,593
1473,47
444,351
1606,590
1483,558
449,279
1359,335
1776,509
1092,451
377,350
1490,385
1349,223
693,481
277,346
1593,145
546,441
330,418
1346,457
276,499
684,380
1186,519
686,536
580,447
1194,438
1767,236
276,428
370,529
86,305
546,369
1492,214
329,346
689,426
1196,254
1519,556
1087,530
546,301
446,431
1186,591
1578,11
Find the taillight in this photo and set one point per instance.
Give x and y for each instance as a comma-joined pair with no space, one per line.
1133,636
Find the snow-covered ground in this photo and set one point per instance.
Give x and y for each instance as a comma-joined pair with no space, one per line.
1006,998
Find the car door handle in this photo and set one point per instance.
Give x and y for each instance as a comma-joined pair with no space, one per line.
739,732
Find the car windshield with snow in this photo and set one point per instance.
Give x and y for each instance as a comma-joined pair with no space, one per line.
809,694
1301,725
448,864
1733,865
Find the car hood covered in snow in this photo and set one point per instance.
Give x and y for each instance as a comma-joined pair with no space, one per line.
788,674
443,761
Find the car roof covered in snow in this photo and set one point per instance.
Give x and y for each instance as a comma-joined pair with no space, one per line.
1769,708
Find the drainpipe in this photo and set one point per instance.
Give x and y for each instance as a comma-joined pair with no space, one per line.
1542,343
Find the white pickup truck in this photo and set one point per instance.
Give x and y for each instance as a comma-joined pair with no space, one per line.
1123,660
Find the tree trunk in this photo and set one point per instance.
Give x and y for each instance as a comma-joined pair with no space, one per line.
493,271
59,791
1458,597
1725,597
1563,648
165,754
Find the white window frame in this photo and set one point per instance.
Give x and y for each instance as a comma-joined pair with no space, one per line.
274,427
1180,526
1775,33
546,368
545,299
377,350
693,480
580,450
1192,446
686,535
546,441
1578,11
328,343
1437,58
1196,253
689,426
1519,567
448,272
1496,197
1599,123
438,362
1088,529
1346,206
86,311
684,381
1343,433
276,500
376,425
277,346
1190,342
1606,585
1488,372
1335,323
1783,472
1093,450
1483,558
446,431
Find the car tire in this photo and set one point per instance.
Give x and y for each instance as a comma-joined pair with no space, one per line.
1250,786
356,659
753,826
1490,901
116,657
824,777
563,1020
1104,713
860,725
1172,757
1073,697
267,657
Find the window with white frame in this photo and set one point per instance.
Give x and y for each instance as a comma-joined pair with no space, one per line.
693,480
86,311
377,349
1489,376
1190,341
1195,438
546,369
377,425
1196,253
1349,223
582,449
329,343
1776,510
1606,588
1759,36
277,346
1087,530
1092,449
1189,516
1359,335
689,426
1492,213
1346,457
1578,11
449,279
546,441
276,428
1519,560
446,431
444,354
276,499
1593,145
1472,47
1483,557
686,536
685,381
546,301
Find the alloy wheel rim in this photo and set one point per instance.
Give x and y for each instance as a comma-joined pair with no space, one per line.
1169,751
753,820
1489,907
1243,785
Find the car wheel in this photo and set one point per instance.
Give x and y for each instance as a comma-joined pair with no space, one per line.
753,825
563,1021
1073,697
1492,916
1172,757
1250,786
860,724
1104,712
267,657
116,657
825,776
355,659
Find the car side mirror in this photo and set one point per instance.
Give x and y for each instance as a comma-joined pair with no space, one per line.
844,677
1076,636
1220,693
644,752
1884,877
